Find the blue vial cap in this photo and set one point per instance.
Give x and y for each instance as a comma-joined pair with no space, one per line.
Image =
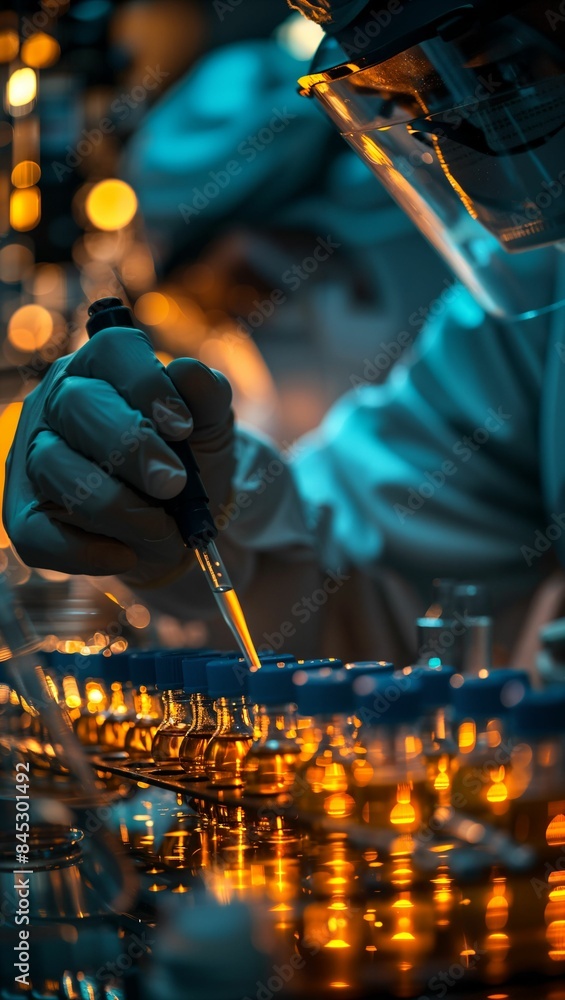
269,686
276,659
227,678
93,666
370,667
323,692
435,685
320,664
58,661
168,671
540,713
142,669
490,696
390,700
168,666
116,668
194,676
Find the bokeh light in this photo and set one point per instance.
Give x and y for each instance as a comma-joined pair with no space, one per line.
152,308
8,422
30,327
21,88
40,50
25,208
9,45
111,204
26,174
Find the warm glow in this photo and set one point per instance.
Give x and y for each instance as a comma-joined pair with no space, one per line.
555,834
441,782
8,423
235,611
111,205
498,791
403,812
497,913
152,308
40,50
339,806
30,328
138,616
25,174
22,88
25,208
467,736
9,45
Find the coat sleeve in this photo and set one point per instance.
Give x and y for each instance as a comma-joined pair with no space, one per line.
435,472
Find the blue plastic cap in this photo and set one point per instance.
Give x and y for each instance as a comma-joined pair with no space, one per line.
270,686
491,696
435,685
194,676
274,659
390,700
540,713
93,666
116,668
227,678
168,671
142,669
370,667
319,692
320,664
59,661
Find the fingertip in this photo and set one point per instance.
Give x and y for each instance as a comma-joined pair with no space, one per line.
163,481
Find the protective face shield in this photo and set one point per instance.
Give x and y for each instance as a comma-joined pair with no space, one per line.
460,114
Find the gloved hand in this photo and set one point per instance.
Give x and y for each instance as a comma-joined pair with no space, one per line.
90,463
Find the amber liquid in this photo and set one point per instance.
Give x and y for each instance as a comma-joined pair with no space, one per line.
235,619
322,785
167,743
88,728
401,807
192,755
267,772
223,759
139,739
114,731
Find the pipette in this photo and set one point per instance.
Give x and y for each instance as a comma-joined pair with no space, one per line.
190,508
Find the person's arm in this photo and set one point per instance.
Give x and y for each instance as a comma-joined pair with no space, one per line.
436,471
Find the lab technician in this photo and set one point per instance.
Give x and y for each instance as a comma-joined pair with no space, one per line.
454,467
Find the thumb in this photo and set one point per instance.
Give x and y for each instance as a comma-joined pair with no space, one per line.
208,395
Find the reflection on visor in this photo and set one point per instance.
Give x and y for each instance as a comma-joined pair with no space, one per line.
468,137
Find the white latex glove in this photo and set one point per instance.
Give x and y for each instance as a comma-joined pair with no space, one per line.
90,464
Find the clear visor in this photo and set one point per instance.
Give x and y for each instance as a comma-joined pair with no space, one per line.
467,136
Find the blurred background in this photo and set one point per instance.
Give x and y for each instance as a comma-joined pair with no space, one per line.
159,150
